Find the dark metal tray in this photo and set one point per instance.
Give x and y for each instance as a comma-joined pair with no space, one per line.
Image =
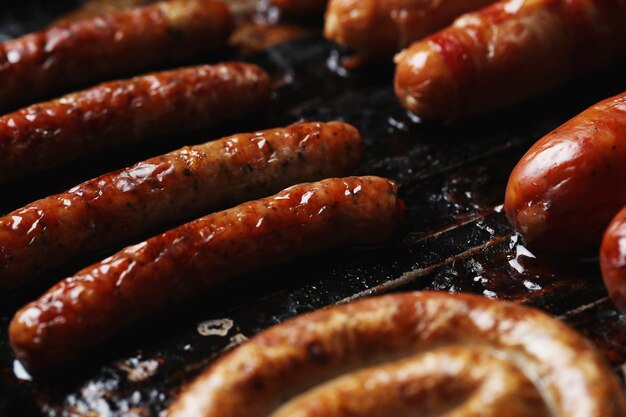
454,237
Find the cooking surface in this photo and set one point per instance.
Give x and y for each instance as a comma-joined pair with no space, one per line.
454,236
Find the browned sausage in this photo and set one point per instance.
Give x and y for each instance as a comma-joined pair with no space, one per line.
146,278
92,8
300,7
380,28
613,260
564,192
508,52
163,190
413,354
110,115
68,55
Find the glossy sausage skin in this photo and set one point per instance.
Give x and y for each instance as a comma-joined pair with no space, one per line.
380,28
613,260
564,192
170,268
411,354
167,189
301,8
506,53
73,54
118,113
91,8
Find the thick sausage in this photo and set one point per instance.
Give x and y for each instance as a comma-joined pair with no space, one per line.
167,189
613,260
506,53
92,8
73,54
423,354
564,192
117,113
380,28
146,278
300,7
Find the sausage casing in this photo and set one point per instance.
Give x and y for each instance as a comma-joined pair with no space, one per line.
412,354
183,184
143,279
613,260
506,53
380,28
74,54
566,189
117,113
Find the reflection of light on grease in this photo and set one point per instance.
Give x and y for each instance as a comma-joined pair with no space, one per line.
520,251
20,372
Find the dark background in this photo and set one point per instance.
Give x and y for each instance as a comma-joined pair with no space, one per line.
454,236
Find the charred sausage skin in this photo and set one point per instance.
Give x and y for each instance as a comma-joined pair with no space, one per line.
118,113
74,54
613,260
566,189
148,277
506,53
410,354
380,28
163,190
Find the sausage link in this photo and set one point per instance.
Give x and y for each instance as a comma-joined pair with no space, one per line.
613,260
412,354
564,192
506,53
45,135
146,278
73,54
91,8
380,28
167,189
300,7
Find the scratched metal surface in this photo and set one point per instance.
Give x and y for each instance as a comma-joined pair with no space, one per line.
454,237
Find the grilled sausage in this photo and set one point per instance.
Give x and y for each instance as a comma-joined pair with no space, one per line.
143,279
506,53
564,192
613,260
69,55
300,7
45,135
92,8
422,354
380,28
163,190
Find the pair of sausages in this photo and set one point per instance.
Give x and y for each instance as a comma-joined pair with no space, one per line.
564,192
379,28
407,355
73,54
506,53
168,269
117,113
168,189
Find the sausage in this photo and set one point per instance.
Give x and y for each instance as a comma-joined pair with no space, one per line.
564,192
167,189
117,113
380,28
613,260
170,268
68,55
410,354
506,53
254,37
300,8
92,8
